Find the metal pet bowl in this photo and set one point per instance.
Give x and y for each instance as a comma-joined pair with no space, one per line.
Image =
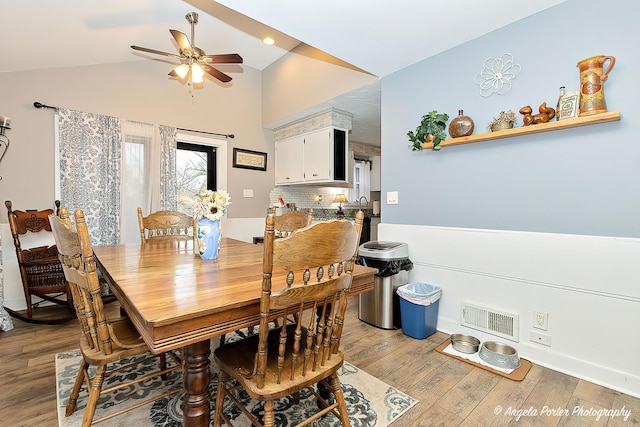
465,343
499,354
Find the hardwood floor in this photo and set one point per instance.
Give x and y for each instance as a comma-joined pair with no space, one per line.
451,392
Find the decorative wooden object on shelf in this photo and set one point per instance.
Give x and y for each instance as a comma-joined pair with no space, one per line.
545,114
611,116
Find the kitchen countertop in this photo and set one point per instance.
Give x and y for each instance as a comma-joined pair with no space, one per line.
327,214
323,215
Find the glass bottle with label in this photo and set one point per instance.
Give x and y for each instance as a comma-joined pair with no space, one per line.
558,105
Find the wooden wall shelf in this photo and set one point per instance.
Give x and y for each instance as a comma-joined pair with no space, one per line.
610,116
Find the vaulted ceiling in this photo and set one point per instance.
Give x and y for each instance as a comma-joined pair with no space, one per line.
380,37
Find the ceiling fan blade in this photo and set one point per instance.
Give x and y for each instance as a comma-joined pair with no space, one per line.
157,52
216,73
229,58
183,42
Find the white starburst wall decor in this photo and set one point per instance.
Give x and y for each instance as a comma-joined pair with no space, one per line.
496,75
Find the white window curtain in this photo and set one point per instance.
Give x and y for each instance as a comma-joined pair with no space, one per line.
139,173
148,174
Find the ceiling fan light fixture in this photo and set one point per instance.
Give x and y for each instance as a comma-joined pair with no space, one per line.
182,70
197,73
193,59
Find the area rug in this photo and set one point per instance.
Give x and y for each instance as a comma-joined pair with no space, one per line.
370,402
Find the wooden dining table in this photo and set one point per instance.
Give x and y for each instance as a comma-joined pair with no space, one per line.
177,300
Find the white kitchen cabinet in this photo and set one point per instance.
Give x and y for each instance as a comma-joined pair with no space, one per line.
289,155
315,157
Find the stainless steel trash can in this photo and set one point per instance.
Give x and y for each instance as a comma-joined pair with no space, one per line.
381,306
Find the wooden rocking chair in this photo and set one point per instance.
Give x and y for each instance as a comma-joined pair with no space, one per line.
40,268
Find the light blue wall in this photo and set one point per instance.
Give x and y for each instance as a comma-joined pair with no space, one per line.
577,181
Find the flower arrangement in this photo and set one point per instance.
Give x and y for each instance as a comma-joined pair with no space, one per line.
505,120
211,205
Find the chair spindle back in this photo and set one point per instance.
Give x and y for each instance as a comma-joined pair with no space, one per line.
318,263
78,262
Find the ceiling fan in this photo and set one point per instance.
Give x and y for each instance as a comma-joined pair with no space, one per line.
193,60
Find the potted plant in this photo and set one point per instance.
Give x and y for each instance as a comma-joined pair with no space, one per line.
432,128
505,120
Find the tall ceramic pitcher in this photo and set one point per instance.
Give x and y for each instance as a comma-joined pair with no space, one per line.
592,77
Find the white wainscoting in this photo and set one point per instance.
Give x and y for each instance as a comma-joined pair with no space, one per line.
13,293
244,229
589,285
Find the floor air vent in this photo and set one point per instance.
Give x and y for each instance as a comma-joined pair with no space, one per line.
490,320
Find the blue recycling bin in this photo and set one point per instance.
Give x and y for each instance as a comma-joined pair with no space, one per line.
419,304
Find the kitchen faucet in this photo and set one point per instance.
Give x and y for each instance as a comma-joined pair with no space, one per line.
321,207
360,201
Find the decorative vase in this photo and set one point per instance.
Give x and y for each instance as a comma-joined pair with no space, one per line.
208,238
461,126
592,78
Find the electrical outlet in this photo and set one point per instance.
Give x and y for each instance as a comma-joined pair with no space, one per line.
392,197
541,320
247,193
540,338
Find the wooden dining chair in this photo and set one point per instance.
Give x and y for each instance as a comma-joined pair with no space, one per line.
165,224
309,274
284,225
289,222
40,269
103,340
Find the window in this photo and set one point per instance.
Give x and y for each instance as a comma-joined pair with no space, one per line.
195,172
200,165
361,181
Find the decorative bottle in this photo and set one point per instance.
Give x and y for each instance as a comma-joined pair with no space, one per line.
558,105
461,125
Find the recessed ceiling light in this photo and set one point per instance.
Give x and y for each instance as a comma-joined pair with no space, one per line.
268,40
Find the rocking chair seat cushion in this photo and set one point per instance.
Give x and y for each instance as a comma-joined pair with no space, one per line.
237,357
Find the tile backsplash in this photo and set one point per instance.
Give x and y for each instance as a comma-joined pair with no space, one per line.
319,198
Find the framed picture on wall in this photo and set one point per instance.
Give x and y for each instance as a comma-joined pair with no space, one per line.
248,159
